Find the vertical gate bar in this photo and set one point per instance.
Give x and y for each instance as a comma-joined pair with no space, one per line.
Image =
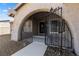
46,28
45,31
49,23
58,35
61,34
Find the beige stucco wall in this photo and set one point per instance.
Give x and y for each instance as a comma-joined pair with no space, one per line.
28,26
4,28
70,14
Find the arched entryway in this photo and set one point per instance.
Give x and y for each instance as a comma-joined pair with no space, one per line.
36,25
28,10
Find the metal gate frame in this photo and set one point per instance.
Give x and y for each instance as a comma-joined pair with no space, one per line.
57,11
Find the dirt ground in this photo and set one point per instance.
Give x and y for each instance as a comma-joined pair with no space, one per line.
8,47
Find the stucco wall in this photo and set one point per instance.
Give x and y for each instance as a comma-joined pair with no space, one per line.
28,26
4,28
27,29
71,14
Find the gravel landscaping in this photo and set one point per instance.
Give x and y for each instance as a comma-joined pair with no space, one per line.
8,47
54,51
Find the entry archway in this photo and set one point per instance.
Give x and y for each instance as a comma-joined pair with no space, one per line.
37,16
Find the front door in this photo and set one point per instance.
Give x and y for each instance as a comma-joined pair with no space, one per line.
42,27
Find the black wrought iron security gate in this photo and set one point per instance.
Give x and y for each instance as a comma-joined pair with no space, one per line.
57,32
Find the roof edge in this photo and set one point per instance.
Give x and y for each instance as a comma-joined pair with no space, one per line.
18,6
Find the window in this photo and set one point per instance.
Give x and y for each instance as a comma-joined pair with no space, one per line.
57,26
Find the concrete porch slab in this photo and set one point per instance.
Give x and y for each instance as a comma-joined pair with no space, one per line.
33,49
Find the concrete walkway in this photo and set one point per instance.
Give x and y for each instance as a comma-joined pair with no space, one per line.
33,49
